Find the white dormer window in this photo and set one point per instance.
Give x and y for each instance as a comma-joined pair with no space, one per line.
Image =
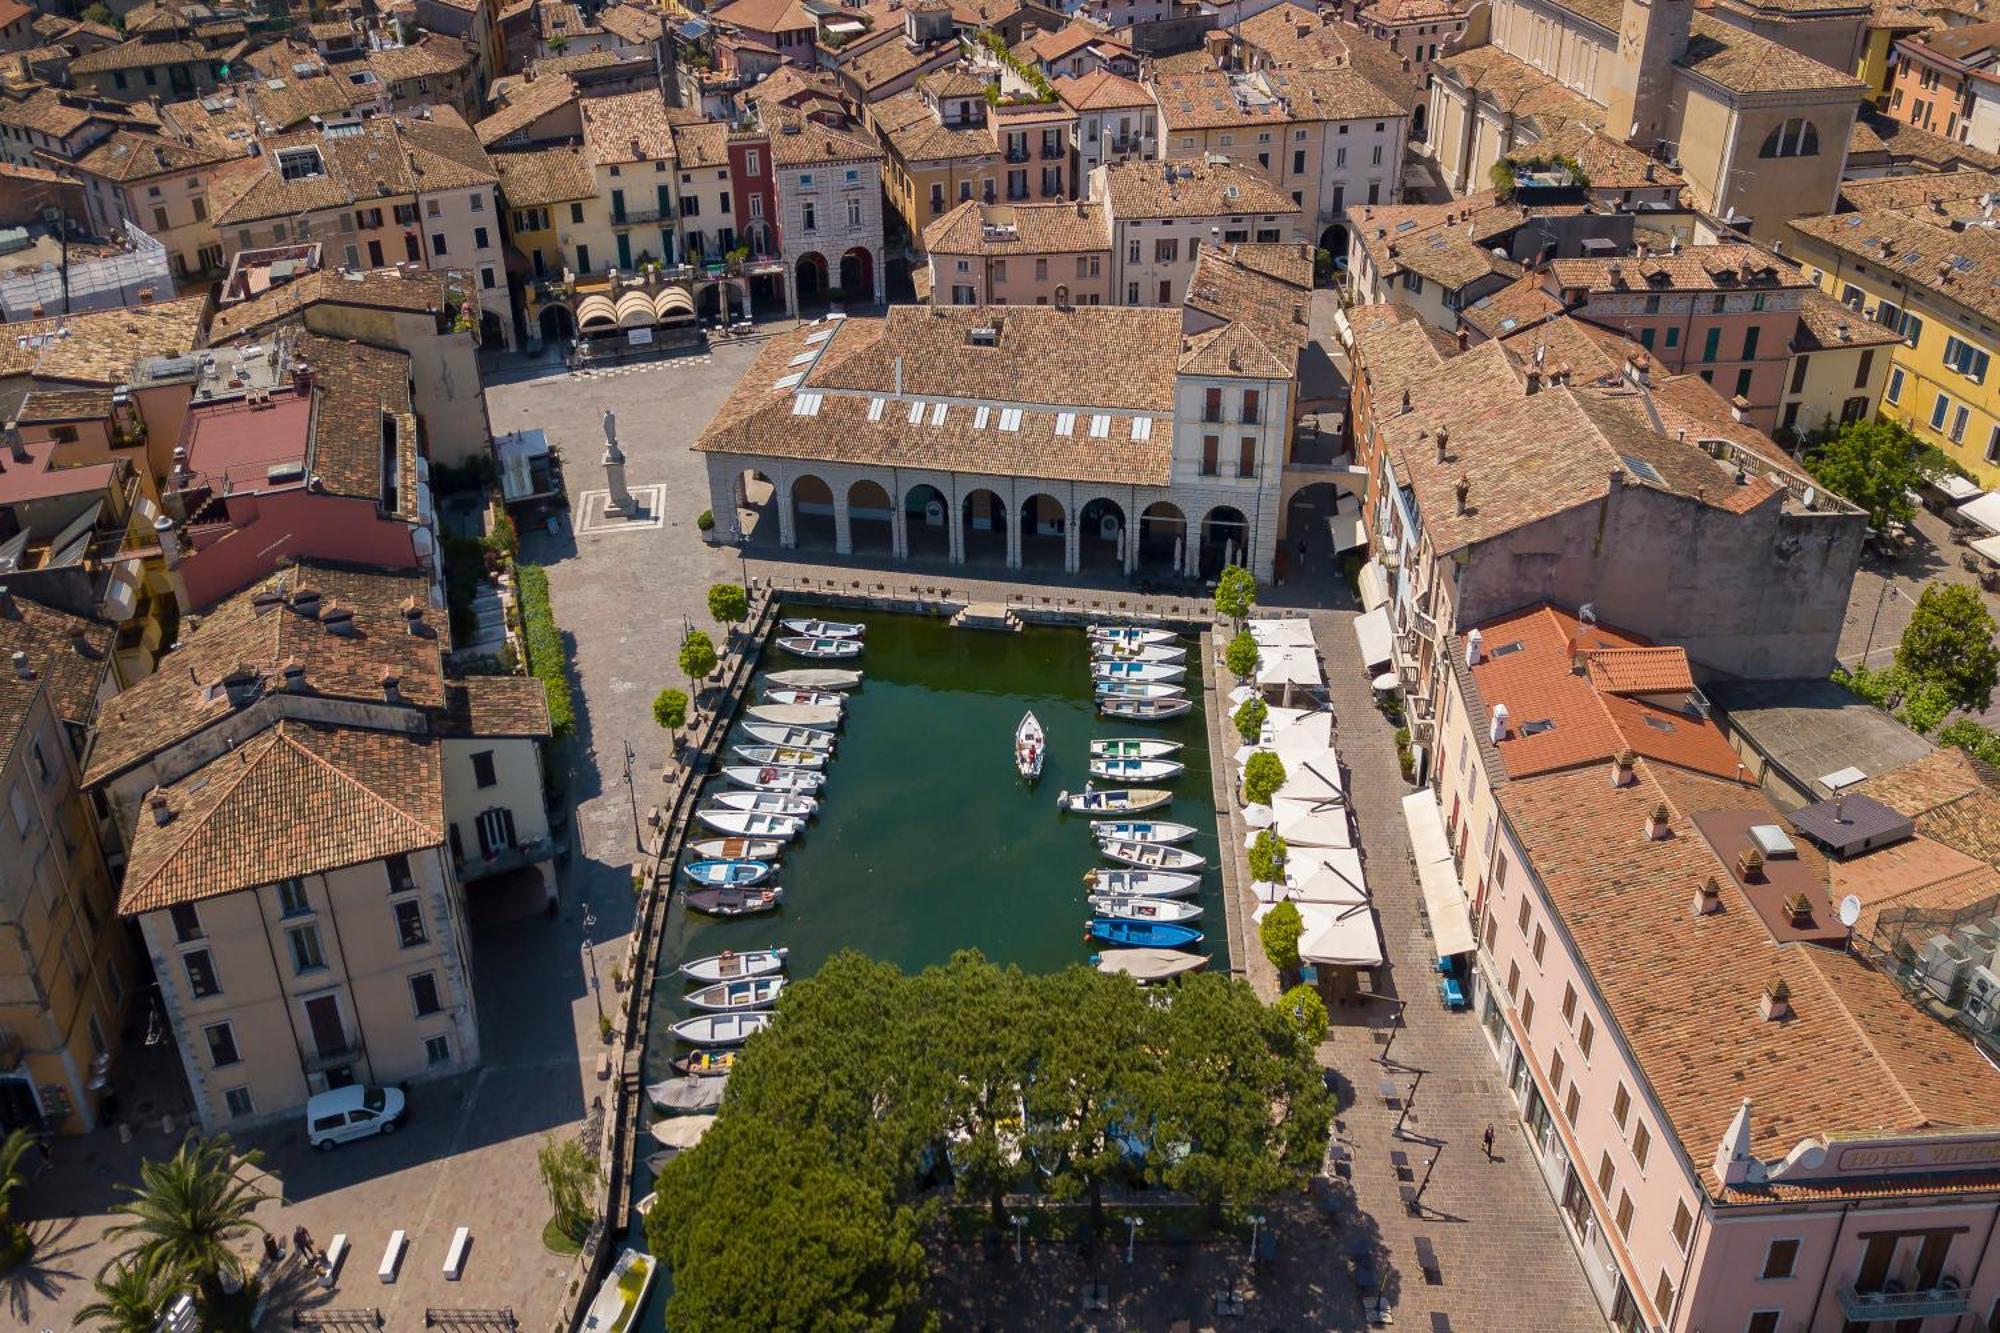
1142,428
1065,423
1100,426
937,414
980,416
917,413
875,406
1010,418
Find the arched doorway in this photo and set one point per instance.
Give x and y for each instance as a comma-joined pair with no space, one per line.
857,277
492,332
1308,510
708,301
1225,539
811,279
756,511
926,516
1162,537
1042,532
767,293
985,527
556,323
1100,535
812,513
868,518
1334,241
1417,115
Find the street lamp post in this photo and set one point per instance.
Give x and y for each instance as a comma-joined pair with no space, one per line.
632,794
1020,1224
1132,1224
742,543
1256,1221
590,952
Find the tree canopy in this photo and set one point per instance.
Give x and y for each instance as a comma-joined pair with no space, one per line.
1873,465
698,655
1279,933
670,709
1249,718
1949,640
1267,857
186,1212
1262,776
728,603
1241,656
805,1206
1980,742
1235,593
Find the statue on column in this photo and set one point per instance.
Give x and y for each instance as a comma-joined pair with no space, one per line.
620,499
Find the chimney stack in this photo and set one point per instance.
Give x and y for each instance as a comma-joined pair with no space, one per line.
392,687
21,665
8,611
1475,643
1622,768
1657,823
1464,338
413,616
157,800
1464,491
337,619
1406,400
1498,732
295,675
1708,898
1775,1004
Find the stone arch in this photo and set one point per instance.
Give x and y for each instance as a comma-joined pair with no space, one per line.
1225,534
857,276
812,512
927,521
983,515
1417,116
1101,534
811,276
1042,519
557,324
869,523
1163,531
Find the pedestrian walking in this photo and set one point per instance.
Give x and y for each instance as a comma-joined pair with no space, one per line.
302,1242
1487,1138
274,1253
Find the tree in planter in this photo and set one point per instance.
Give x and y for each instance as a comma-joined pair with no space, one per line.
729,604
568,1174
1235,594
1279,933
186,1213
1241,656
130,1293
1249,718
1262,776
1267,857
1304,1010
670,710
698,659
1950,640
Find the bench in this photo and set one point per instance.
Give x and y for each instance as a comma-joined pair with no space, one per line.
1452,993
392,1257
335,1253
454,1258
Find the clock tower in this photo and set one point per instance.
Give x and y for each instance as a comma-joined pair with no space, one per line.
1651,37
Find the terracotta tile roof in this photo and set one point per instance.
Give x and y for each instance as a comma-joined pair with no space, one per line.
559,18
1292,36
974,228
704,145
1290,264
496,706
389,156
1917,873
1609,164
790,84
909,124
1854,1057
1398,12
68,656
548,176
444,152
1450,243
1640,671
359,385
627,127
1213,99
1973,44
1825,323
102,347
633,23
1878,136
128,156
883,57
578,62
1199,189
292,800
1953,798
259,628
1744,62
1265,313
1953,267
799,142
1697,268
527,103
60,114
424,291
137,54
765,15
1516,308
1101,90
431,56
1921,190
1518,87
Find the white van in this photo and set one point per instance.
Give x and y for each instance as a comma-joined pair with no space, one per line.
353,1112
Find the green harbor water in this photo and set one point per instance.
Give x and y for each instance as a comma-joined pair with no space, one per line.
927,841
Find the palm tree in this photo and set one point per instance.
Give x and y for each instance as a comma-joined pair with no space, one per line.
129,1296
15,1243
187,1209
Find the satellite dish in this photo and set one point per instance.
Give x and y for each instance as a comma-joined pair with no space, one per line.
1850,910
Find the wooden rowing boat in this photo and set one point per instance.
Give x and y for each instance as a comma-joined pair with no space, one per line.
1151,855
1117,801
730,965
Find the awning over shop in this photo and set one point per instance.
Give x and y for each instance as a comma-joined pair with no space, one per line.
1371,631
1374,587
635,311
1335,935
594,310
674,301
1347,531
1984,511
1444,901
1988,547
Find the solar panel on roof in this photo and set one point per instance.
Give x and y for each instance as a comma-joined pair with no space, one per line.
1642,468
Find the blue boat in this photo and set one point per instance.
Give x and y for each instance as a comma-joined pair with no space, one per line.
1142,934
728,874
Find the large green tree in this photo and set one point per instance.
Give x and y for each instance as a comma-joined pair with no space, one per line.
729,603
973,1018
1279,933
1980,742
1241,656
1249,718
698,658
1078,1102
1874,465
1263,774
1950,640
186,1212
1235,594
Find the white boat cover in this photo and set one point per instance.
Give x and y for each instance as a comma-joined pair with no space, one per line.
1444,900
687,1094
1371,631
1285,632
1278,667
1313,823
1374,587
682,1131
1988,547
1335,935
1983,510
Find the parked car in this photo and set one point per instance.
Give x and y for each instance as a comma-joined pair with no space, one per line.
354,1112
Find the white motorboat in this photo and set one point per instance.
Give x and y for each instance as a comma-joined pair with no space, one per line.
1142,830
1142,883
784,756
1144,965
777,778
1135,709
644,1207
733,902
733,849
720,1029
1118,801
807,698
1140,689
1107,650
615,1307
721,874
756,993
791,738
1140,671
1137,770
1030,747
751,823
1134,635
1128,907
794,715
823,629
767,803
1132,748
800,646
1151,855
730,965
681,1132
814,678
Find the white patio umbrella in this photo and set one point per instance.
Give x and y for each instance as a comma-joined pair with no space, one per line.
1241,693
1259,816
1243,753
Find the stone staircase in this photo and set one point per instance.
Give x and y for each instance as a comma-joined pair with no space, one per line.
987,615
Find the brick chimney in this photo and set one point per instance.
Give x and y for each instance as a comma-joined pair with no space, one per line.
156,800
1775,1004
1657,823
1708,898
1622,768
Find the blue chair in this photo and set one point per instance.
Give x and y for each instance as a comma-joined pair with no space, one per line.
1452,993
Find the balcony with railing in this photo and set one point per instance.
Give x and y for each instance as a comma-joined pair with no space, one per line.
322,1058
500,860
1944,1300
1017,193
1017,152
632,217
1053,149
